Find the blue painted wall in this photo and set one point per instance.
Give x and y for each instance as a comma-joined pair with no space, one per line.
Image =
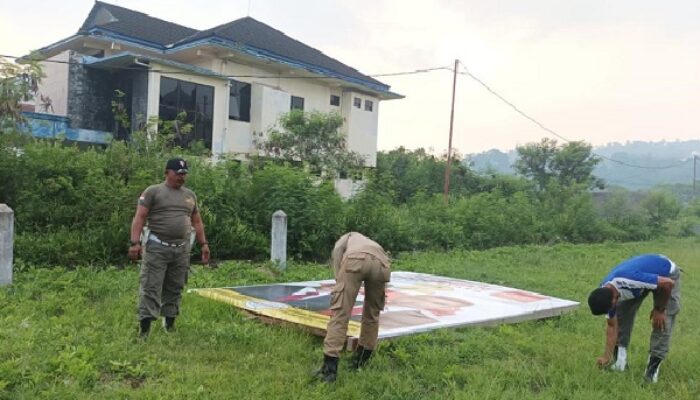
58,127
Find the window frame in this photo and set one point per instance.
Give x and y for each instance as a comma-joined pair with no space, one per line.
200,112
291,103
240,90
337,98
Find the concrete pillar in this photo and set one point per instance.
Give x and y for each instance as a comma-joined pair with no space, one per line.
278,252
7,225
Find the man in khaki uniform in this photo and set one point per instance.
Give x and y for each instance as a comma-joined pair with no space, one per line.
170,209
356,259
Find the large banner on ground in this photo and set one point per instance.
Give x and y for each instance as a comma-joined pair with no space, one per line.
415,303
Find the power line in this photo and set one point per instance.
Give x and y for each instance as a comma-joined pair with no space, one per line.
543,127
417,71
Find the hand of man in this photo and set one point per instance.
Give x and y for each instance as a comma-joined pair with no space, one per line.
135,252
604,361
658,319
205,254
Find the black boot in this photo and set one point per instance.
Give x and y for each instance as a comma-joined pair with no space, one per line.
652,372
360,357
145,328
329,371
169,324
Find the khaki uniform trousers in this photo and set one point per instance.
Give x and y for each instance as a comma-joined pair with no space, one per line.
355,269
660,341
163,276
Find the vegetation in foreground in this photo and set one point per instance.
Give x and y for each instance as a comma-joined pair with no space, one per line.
71,334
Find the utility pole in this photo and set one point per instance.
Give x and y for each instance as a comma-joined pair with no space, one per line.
449,145
695,160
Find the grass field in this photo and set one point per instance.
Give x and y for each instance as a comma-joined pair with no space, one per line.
71,334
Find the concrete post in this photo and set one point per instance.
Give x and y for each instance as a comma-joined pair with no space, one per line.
7,225
278,252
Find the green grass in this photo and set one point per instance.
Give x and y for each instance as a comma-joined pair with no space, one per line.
71,334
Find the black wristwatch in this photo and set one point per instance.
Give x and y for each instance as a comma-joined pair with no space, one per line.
135,242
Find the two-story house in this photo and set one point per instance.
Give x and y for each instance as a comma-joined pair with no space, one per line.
233,80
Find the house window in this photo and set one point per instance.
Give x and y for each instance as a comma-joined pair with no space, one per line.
196,100
369,105
239,101
297,103
335,100
357,102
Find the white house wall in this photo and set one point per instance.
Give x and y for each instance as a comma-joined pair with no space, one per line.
361,126
270,106
153,95
55,85
271,97
238,137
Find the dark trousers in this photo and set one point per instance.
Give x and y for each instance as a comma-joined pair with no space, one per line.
660,341
163,276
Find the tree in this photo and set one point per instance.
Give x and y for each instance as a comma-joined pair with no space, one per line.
568,165
313,138
660,208
417,171
18,83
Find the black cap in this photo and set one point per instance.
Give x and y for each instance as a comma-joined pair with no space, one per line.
178,165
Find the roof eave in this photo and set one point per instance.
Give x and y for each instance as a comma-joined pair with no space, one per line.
380,89
54,48
134,41
121,59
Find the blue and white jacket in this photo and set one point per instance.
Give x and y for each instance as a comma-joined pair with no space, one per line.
635,276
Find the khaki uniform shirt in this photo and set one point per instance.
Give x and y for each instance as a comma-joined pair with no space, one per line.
354,242
169,211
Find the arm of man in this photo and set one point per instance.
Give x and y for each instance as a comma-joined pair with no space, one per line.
610,342
662,294
338,251
198,226
136,227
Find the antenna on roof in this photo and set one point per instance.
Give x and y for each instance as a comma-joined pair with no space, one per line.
249,8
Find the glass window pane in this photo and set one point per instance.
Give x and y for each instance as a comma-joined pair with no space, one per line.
239,102
187,95
245,102
205,100
168,92
234,108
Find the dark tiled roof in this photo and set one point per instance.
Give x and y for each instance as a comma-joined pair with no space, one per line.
135,24
247,31
254,33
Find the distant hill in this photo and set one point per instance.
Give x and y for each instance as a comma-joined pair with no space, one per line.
671,162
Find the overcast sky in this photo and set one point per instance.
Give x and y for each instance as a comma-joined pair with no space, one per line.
591,70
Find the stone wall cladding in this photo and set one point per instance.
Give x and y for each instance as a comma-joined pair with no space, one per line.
89,96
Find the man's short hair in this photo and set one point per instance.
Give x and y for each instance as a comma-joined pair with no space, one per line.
600,300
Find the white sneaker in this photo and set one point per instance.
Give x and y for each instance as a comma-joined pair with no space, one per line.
620,359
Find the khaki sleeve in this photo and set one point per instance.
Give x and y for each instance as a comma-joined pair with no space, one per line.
195,209
147,197
339,250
